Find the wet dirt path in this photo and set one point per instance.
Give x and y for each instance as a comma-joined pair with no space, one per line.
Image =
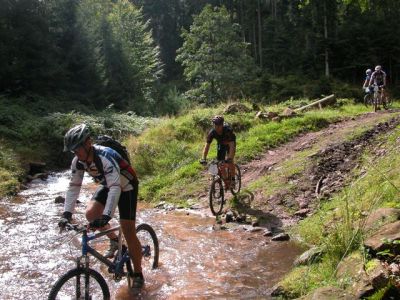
196,261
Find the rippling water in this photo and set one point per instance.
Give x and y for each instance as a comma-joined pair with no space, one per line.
195,260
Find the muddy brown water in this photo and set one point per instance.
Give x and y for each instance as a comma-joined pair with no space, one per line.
196,261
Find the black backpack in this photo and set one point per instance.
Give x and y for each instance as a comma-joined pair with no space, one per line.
107,141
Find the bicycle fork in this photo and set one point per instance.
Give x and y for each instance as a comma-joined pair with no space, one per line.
83,265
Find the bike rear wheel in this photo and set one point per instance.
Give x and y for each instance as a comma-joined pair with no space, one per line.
368,99
387,101
150,250
216,196
235,188
82,284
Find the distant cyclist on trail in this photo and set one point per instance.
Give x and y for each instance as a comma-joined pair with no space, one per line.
118,186
379,78
368,73
226,144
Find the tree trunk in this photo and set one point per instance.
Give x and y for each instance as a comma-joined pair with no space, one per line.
255,42
259,33
241,13
326,41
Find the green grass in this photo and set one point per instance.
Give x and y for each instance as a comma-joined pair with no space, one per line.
166,155
10,170
337,225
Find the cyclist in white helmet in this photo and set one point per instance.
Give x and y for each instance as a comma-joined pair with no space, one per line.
368,73
118,187
378,78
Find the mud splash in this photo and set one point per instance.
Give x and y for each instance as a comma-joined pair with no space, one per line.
195,260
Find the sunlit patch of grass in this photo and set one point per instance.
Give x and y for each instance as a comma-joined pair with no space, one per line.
304,279
167,153
337,225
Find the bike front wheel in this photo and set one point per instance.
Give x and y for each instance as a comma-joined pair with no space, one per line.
376,101
237,184
150,249
368,98
82,284
216,196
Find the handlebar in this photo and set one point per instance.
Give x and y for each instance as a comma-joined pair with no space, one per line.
76,227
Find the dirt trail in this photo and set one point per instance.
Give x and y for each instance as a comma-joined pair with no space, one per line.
331,154
333,134
295,198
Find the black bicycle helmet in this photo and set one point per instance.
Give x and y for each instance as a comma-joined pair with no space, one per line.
75,137
218,120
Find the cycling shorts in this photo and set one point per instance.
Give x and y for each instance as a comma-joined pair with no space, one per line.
127,203
223,151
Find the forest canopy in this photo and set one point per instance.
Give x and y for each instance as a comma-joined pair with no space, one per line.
136,54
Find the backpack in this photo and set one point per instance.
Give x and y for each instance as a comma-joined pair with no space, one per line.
107,141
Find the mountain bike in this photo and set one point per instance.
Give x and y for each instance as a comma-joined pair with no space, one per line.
220,184
86,283
379,97
369,96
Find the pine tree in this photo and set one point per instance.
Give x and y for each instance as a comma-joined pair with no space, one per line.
214,57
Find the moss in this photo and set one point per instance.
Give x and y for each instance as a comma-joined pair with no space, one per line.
371,264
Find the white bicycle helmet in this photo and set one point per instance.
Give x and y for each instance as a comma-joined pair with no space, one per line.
75,137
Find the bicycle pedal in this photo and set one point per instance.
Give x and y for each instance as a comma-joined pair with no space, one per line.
117,277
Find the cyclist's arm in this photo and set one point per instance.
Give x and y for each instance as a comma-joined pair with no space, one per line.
371,81
113,181
74,187
210,137
205,150
384,79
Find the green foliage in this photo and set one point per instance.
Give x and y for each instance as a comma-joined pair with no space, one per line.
166,155
337,226
38,135
95,51
214,57
10,170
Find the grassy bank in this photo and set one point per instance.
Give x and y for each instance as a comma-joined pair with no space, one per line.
337,225
166,156
36,133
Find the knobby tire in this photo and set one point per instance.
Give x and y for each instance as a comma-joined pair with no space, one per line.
238,181
154,248
216,203
80,273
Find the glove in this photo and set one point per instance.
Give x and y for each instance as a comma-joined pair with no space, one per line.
203,161
66,218
98,223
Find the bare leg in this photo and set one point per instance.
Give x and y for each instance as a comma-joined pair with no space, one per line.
129,230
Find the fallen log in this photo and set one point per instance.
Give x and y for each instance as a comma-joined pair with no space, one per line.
326,100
